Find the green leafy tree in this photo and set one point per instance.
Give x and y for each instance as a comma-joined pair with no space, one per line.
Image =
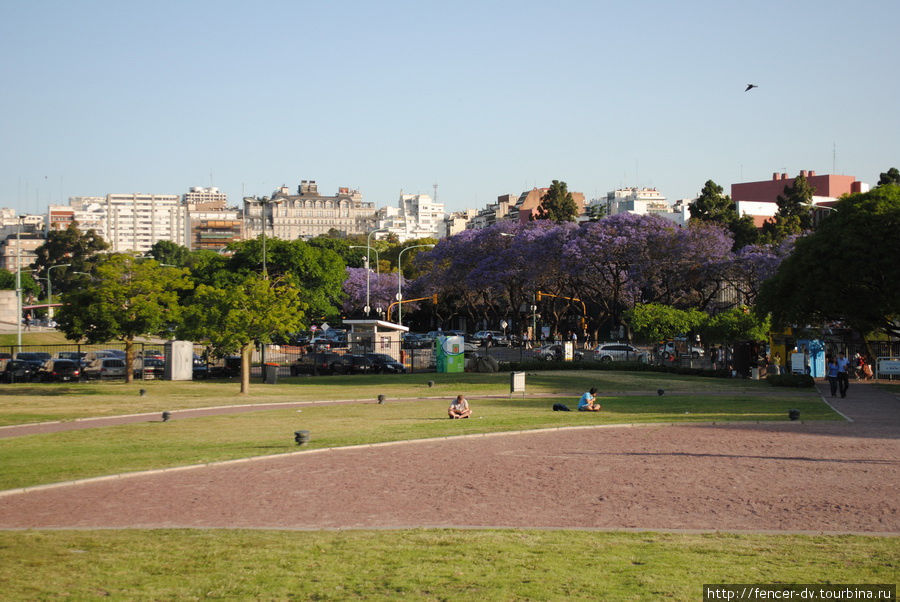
736,324
234,319
712,205
166,251
78,249
122,299
29,285
794,214
655,322
317,272
557,204
891,176
847,270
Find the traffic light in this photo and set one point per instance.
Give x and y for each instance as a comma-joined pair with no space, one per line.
539,295
434,298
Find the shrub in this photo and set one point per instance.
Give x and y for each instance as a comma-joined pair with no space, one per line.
790,380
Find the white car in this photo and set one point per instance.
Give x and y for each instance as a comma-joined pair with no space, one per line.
618,352
668,351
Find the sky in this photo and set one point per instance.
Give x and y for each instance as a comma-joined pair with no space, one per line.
481,98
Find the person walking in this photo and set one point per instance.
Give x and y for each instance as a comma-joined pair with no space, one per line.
843,373
831,373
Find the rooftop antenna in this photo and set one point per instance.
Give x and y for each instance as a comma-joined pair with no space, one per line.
435,191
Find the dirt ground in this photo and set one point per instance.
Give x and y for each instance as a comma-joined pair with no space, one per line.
819,477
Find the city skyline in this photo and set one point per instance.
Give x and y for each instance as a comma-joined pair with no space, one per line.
482,99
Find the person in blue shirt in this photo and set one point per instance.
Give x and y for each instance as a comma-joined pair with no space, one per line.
843,377
831,373
586,403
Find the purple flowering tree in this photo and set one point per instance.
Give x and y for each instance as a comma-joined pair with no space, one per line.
382,291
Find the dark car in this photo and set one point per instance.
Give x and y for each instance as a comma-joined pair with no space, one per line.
35,358
60,370
18,371
358,364
149,367
319,362
386,364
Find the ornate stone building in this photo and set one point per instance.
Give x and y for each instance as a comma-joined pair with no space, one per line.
308,214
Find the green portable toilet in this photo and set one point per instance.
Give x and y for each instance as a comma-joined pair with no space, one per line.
449,354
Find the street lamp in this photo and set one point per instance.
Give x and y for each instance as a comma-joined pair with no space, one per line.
50,288
400,280
263,203
368,270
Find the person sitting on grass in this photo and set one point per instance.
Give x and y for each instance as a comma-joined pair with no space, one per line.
586,403
459,408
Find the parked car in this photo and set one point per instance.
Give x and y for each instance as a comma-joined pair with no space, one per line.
107,367
415,340
668,351
35,358
60,370
358,364
555,351
75,356
618,352
319,362
18,371
497,338
149,367
386,364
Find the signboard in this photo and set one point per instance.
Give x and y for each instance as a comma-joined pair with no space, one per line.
516,382
799,361
890,367
568,351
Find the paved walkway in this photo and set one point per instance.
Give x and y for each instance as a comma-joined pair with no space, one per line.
871,406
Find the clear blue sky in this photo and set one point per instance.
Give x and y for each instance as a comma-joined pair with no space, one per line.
483,98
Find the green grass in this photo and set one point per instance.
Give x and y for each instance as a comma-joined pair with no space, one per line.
24,403
423,564
47,458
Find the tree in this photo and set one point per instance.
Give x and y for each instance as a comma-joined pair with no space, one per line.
656,322
233,319
122,299
166,251
892,176
29,286
314,269
794,214
846,271
712,205
736,324
70,246
557,204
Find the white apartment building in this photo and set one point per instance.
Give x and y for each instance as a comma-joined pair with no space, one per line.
636,200
417,216
205,199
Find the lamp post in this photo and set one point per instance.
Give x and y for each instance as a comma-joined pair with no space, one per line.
263,203
400,280
50,288
19,282
368,270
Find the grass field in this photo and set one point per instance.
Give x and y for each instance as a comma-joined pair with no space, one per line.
55,457
24,403
438,564
422,564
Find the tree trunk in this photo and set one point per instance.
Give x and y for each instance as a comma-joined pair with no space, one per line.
129,361
246,355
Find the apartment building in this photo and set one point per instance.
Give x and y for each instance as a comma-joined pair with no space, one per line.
416,216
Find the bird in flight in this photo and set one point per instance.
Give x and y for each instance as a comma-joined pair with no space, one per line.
750,87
